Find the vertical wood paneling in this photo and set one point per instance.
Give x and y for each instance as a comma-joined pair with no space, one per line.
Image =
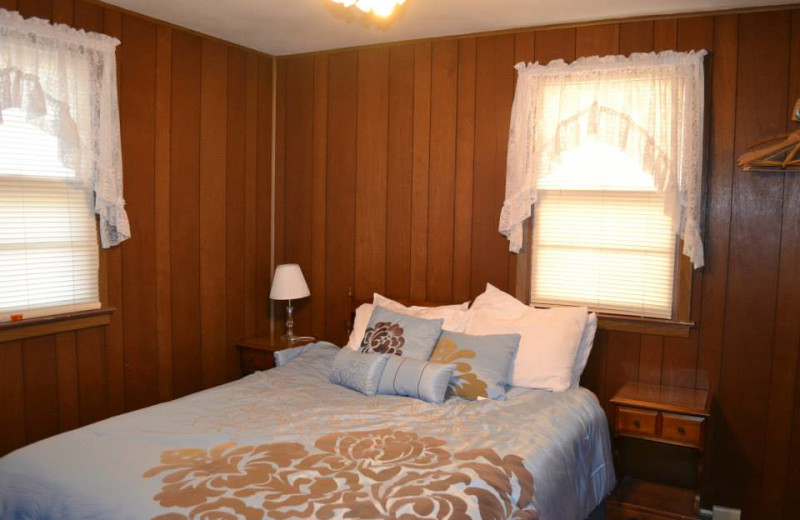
718,202
755,240
319,188
342,138
636,37
63,11
420,172
90,17
213,164
251,306
10,5
38,8
67,368
442,177
399,171
263,188
93,393
298,165
622,361
465,156
163,242
493,95
666,35
717,231
187,363
12,388
786,356
371,171
791,470
137,109
41,387
597,40
235,265
555,44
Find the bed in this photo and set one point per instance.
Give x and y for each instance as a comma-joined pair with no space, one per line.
286,443
443,411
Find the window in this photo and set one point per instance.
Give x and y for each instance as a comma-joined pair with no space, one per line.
48,238
605,155
60,166
600,237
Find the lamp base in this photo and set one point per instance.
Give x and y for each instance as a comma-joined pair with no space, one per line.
293,339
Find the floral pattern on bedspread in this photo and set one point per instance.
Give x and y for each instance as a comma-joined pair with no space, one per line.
378,474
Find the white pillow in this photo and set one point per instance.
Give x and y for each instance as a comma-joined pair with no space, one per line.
584,349
455,316
360,322
549,337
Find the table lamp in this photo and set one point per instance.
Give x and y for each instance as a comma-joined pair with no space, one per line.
289,284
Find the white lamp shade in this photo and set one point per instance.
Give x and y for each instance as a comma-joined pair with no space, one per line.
288,283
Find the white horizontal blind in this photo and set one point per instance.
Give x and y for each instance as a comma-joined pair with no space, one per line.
48,239
600,237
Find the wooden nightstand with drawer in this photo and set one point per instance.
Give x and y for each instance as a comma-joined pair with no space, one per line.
662,415
259,353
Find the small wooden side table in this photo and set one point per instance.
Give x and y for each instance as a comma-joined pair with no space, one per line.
665,415
259,353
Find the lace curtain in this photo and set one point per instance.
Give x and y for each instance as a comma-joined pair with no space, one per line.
65,81
650,106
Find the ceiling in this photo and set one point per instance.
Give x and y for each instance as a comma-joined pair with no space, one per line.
281,27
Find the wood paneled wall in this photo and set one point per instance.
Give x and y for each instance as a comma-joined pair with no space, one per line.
196,134
391,164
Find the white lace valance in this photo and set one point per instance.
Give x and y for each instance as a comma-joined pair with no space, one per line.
65,80
650,106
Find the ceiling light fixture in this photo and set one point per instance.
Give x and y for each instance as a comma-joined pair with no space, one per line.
382,8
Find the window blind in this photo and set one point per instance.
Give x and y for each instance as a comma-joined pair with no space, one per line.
48,238
611,250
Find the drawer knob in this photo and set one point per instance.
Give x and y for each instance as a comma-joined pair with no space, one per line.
637,424
681,430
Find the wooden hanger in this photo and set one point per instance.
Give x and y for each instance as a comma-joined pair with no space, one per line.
783,153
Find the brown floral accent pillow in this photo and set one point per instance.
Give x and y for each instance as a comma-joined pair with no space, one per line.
390,332
384,338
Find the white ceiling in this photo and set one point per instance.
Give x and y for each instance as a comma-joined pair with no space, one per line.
281,27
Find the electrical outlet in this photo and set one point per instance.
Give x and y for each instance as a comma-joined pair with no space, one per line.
726,513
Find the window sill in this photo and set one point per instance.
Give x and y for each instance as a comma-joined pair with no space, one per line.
47,325
656,327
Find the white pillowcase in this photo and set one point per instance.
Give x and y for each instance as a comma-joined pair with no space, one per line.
455,316
549,337
360,323
584,349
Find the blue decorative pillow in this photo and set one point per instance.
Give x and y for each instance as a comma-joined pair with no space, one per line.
390,332
358,371
414,378
482,363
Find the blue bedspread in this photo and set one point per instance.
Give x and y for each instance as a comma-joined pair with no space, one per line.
287,444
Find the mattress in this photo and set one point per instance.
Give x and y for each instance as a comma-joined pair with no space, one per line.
286,443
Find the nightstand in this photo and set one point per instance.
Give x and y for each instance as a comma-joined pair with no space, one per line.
664,416
259,353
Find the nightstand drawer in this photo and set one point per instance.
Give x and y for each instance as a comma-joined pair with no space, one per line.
640,422
253,360
682,428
